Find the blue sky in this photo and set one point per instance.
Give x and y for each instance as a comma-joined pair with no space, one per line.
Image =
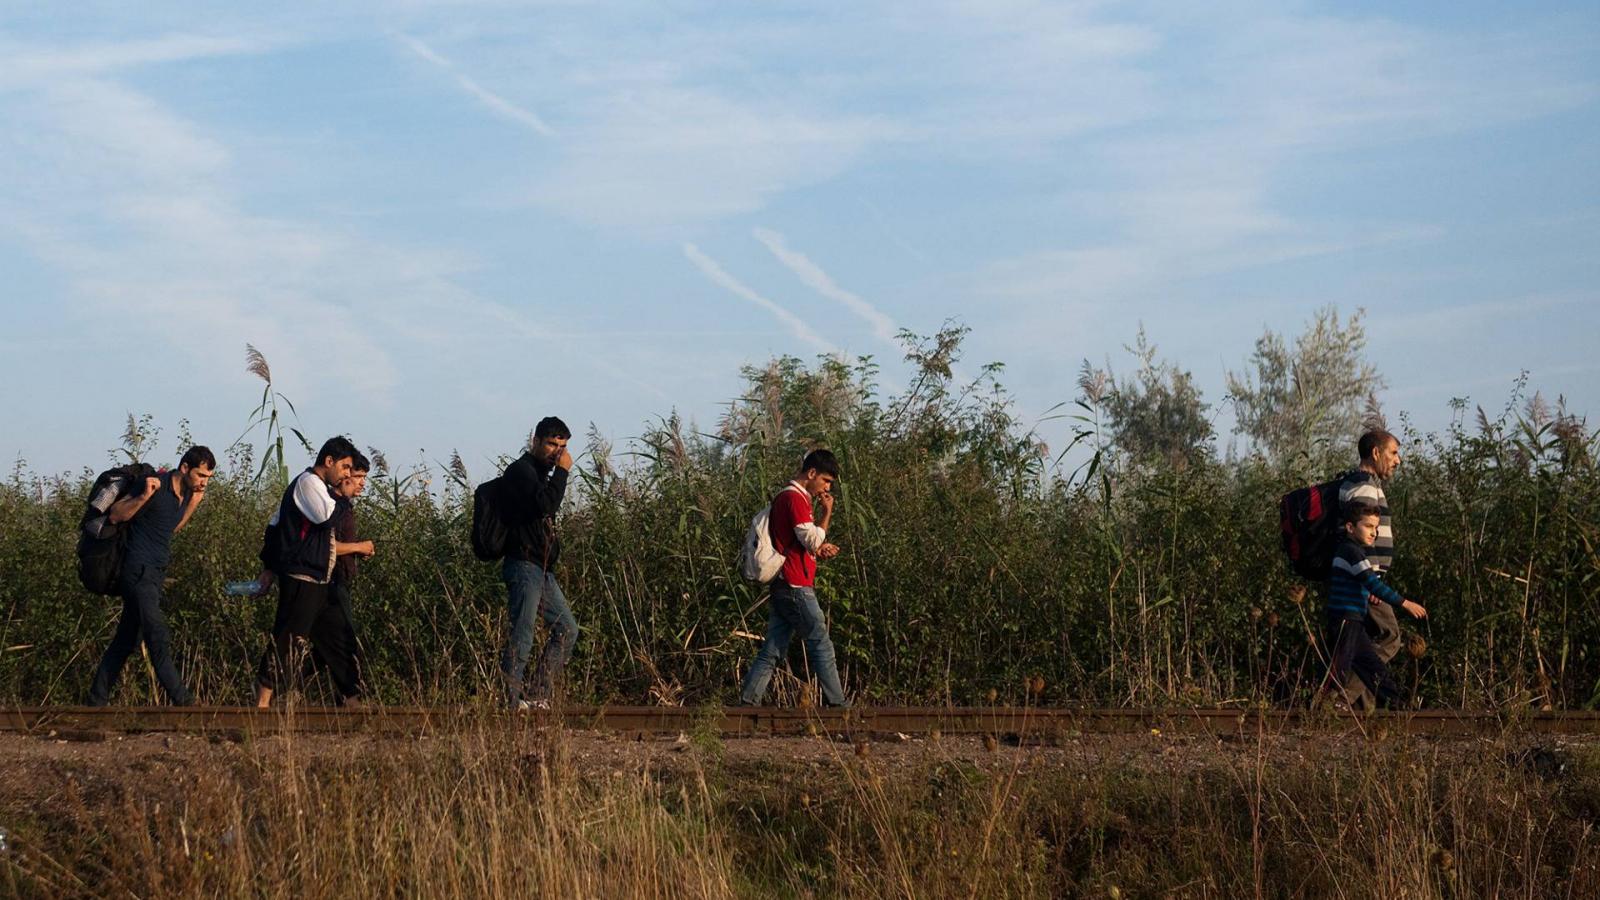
441,221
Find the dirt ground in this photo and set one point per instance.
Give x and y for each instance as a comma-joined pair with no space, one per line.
34,769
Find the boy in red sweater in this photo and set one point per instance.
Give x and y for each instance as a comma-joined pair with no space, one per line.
793,604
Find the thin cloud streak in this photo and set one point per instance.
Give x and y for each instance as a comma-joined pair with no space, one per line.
494,102
818,280
722,279
26,65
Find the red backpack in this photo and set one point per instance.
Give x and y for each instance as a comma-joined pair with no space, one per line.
1308,525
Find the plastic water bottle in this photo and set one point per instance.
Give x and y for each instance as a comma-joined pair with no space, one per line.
242,588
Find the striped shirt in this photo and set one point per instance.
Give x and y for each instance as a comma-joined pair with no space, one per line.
1361,487
1353,580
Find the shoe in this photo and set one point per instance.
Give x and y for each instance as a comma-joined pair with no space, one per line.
526,705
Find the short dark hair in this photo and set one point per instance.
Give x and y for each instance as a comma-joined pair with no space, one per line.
360,463
197,456
550,426
338,447
821,460
1374,439
1355,512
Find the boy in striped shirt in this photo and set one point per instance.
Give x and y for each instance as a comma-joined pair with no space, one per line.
1353,586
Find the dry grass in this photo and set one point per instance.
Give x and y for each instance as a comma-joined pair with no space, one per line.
492,813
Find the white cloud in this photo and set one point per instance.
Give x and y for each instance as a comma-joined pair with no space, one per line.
31,65
815,278
718,276
136,207
1195,192
667,156
494,102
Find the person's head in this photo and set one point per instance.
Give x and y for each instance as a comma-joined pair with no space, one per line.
1361,523
550,438
818,472
356,481
1380,452
196,468
333,460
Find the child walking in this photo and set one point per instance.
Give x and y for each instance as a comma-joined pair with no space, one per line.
1353,586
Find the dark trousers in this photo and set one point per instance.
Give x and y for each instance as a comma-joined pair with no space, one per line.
140,587
335,633
1354,653
308,619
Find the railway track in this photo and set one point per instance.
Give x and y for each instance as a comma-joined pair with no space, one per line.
1019,723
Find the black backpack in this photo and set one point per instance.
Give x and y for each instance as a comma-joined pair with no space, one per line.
489,531
101,541
1308,522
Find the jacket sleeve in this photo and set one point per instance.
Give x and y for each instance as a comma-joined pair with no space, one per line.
538,498
1376,587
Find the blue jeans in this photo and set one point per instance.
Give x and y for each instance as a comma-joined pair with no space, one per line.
532,594
794,610
142,620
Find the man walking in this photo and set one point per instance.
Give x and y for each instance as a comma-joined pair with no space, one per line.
532,489
334,630
299,550
793,602
1363,487
153,517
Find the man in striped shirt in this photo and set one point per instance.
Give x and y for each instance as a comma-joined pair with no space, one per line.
1380,457
1355,591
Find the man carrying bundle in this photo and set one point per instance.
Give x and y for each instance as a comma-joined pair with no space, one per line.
153,515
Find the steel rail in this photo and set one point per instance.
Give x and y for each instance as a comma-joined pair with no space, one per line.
1018,723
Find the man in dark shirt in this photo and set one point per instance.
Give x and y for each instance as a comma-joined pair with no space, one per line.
531,494
153,516
333,635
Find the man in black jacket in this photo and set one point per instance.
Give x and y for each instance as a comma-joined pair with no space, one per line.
531,494
299,550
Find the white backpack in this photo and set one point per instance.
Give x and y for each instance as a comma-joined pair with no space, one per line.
759,560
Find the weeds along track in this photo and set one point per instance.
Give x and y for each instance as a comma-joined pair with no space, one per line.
1011,723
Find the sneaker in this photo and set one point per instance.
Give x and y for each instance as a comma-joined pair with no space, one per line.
522,706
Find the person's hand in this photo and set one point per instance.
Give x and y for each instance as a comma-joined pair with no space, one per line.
827,502
827,551
196,495
151,485
366,549
565,459
1414,609
263,583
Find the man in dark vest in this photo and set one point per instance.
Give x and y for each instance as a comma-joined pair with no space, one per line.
299,550
153,516
534,486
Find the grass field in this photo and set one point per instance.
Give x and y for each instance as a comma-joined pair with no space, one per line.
498,812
